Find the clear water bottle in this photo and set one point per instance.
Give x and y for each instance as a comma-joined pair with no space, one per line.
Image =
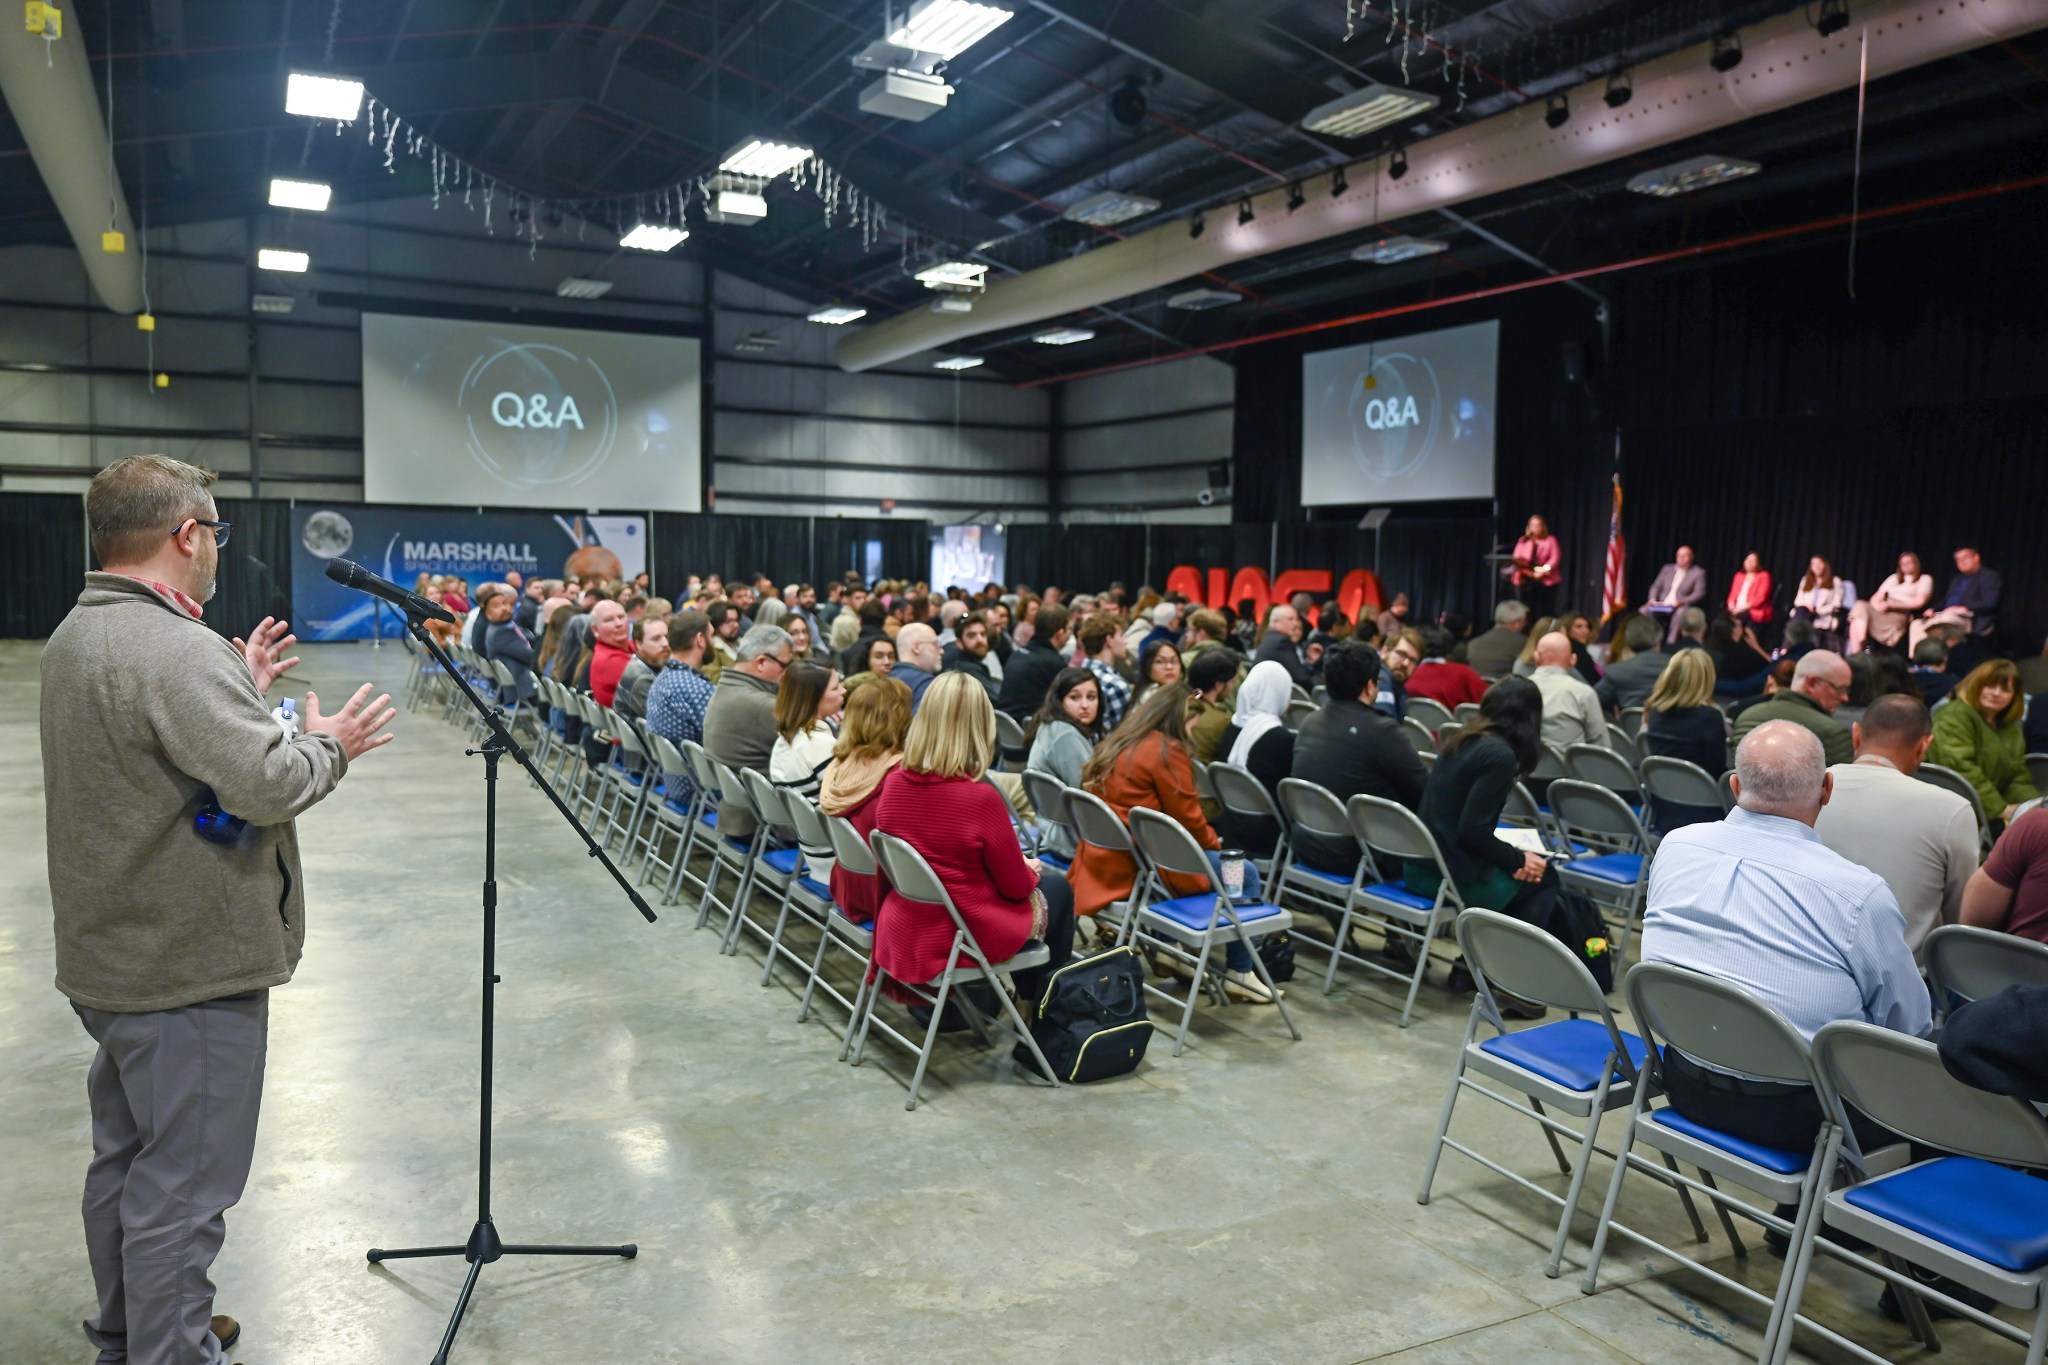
287,716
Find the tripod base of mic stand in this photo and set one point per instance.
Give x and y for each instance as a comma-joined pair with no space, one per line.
483,1248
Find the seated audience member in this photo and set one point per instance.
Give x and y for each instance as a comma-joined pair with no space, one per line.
609,651
1930,670
681,693
1799,640
1820,684
739,724
1213,679
1331,628
949,621
650,656
1395,618
842,633
1978,734
1349,748
1819,603
1257,738
477,620
1062,736
1628,681
1159,665
937,803
872,659
1691,628
726,626
1679,585
1165,621
869,748
1680,720
1525,662
1102,646
1437,677
1749,593
1571,709
1492,655
1462,801
1971,602
802,639
1777,681
527,610
2000,1044
1207,629
1144,762
1032,667
1902,596
2010,891
1874,674
1759,901
917,659
1580,629
506,642
1401,652
1741,666
970,652
455,596
1283,645
1922,839
807,707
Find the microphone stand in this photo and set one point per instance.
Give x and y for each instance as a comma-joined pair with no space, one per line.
484,1246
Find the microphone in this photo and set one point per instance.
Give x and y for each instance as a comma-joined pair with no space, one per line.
352,575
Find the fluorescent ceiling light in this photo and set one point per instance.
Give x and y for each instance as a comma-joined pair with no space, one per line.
947,28
1111,206
764,160
334,97
952,303
654,237
1693,173
271,303
270,258
581,287
838,314
756,342
1392,250
957,362
300,194
1064,336
1195,300
965,275
1367,111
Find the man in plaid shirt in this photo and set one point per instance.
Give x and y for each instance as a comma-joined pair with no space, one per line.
681,694
1102,641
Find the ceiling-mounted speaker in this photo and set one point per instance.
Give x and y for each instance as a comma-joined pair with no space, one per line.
1127,103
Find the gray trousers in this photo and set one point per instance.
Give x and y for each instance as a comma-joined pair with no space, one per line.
174,1099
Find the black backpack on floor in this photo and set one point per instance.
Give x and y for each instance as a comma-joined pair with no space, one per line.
1092,1023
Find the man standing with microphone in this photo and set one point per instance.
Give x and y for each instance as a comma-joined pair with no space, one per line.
173,920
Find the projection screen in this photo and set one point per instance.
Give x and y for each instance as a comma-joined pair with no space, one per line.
1405,420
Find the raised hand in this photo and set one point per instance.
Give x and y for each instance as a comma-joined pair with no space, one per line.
271,638
355,726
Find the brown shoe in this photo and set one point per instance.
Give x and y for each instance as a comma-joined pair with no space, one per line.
225,1329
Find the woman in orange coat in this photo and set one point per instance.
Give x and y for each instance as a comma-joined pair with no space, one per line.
1144,762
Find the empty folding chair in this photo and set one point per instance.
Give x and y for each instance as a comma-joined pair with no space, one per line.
1603,767
1315,810
1049,798
1394,836
1011,752
1626,745
1297,712
768,865
1948,779
1631,721
1969,1217
1420,735
1431,713
1679,793
1190,928
855,937
807,896
1718,1024
1615,871
1581,1067
913,879
1466,712
1965,963
1252,815
671,813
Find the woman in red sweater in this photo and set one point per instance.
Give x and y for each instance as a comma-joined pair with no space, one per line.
938,803
870,748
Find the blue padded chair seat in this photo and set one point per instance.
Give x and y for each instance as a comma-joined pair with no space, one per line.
1194,912
1770,1158
1055,861
1333,878
814,888
1399,894
1570,1053
679,807
710,816
1623,869
738,845
1990,1212
783,860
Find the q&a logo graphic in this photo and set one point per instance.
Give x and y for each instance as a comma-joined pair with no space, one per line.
538,415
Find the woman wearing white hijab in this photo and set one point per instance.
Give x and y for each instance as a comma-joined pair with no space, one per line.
1257,741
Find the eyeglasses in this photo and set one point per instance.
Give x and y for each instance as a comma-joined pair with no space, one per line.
220,529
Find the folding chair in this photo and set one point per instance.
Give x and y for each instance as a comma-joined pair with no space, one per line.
1010,747
1393,836
1615,873
1603,767
1948,779
590,787
667,815
727,851
1419,734
1447,732
810,898
1970,1217
1550,766
1316,809
1719,1024
630,788
703,828
1049,798
1582,1067
1628,746
853,853
1204,786
1186,927
1297,712
2037,769
1098,824
1966,963
1681,783
768,865
1431,713
1726,782
1631,721
1245,799
1466,712
913,880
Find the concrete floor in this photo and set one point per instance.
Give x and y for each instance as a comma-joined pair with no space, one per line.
1252,1200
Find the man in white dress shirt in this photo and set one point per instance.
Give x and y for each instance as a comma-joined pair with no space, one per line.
1759,901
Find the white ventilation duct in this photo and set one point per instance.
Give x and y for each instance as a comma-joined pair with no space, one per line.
1785,62
51,95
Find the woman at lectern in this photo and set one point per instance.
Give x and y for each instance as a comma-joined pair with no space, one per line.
1535,573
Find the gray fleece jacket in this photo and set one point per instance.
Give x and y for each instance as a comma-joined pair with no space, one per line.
144,709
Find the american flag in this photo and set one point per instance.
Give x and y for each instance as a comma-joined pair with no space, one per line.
1614,591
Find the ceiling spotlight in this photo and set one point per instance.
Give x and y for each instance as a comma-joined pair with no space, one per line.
335,97
1295,199
1397,162
1834,17
582,287
1340,181
1110,207
654,237
838,314
1693,173
947,28
759,159
1394,250
1244,212
957,362
1064,336
1727,52
1367,111
1557,110
300,194
271,258
1127,103
1196,226
1621,88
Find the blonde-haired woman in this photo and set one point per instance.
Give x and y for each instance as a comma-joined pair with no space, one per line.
1977,732
1680,720
938,803
870,748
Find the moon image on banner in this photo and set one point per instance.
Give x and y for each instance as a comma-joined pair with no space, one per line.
327,535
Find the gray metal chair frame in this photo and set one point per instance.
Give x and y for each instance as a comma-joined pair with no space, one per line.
1097,823
2037,769
1726,782
1168,847
1447,732
1297,712
668,816
1604,767
809,906
1392,835
1630,721
1972,963
1245,797
1626,745
1948,779
1431,713
1681,782
1550,764
1589,814
1010,751
1049,798
766,801
854,854
625,803
1528,962
704,774
733,798
1420,735
913,879
1317,809
1901,1083
1465,713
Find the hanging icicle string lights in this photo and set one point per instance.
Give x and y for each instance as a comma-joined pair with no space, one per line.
840,199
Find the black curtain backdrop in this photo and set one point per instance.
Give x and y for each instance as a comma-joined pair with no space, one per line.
256,566
42,557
